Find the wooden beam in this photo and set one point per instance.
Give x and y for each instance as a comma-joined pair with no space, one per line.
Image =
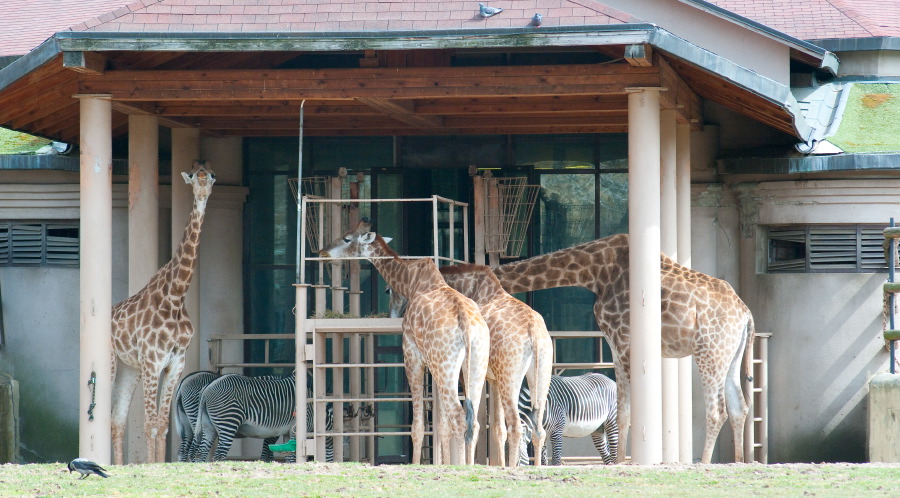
678,95
386,83
85,62
639,55
145,109
403,111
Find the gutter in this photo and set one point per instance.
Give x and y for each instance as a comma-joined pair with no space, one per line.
809,164
859,44
497,38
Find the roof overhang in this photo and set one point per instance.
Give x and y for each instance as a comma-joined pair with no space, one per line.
693,63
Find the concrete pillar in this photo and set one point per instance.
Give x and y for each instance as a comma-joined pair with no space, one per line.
143,245
683,214
300,296
95,274
644,267
669,246
185,150
143,200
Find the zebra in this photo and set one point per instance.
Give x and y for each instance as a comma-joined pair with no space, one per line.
238,406
576,406
187,405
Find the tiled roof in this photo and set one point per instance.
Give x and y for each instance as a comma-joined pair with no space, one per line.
219,16
27,23
821,19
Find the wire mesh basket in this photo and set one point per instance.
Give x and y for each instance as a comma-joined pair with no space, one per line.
318,215
510,204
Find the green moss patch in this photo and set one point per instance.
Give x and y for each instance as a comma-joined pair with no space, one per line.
871,119
13,142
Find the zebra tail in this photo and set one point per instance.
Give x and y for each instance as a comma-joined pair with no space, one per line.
748,354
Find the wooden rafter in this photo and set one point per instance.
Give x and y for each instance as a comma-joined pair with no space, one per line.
402,111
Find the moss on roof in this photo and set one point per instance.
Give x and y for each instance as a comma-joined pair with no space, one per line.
13,142
871,119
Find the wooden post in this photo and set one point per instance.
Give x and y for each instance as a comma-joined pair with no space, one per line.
300,293
478,207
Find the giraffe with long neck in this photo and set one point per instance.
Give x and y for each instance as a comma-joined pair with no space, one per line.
443,331
151,331
701,315
520,346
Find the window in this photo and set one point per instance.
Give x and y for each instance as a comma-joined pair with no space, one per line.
39,244
825,248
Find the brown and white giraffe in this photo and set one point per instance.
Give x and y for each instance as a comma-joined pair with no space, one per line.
151,331
701,315
520,346
442,331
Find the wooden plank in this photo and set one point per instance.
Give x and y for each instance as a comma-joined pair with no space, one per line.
564,103
369,83
678,95
640,54
85,62
403,112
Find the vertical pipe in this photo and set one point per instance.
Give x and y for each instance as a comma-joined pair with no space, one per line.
683,208
451,213
319,394
893,246
95,275
337,376
669,245
301,225
337,280
644,277
434,221
300,292
370,393
355,389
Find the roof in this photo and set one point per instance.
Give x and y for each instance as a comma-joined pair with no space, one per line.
27,23
871,119
217,16
821,19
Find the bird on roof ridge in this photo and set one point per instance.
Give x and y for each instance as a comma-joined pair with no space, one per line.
536,19
486,11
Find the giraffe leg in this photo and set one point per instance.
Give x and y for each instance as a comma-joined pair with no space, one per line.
451,420
124,384
714,397
415,376
623,400
150,382
736,403
168,383
499,429
539,380
473,380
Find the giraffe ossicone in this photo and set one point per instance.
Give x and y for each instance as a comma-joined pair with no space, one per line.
151,332
701,316
443,331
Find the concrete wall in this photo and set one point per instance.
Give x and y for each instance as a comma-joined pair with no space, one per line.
870,62
826,327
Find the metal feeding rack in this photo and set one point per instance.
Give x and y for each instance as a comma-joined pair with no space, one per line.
509,205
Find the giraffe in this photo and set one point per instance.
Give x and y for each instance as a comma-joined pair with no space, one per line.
151,331
520,346
701,315
442,331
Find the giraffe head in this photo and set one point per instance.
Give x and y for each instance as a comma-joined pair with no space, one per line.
360,242
201,180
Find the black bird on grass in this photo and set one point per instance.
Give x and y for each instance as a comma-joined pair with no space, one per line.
86,467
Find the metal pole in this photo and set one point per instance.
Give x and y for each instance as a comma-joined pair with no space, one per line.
300,210
891,300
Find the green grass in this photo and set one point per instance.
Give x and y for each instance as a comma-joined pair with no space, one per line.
350,479
13,142
871,120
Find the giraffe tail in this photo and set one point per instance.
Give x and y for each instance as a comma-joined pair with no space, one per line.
470,410
748,353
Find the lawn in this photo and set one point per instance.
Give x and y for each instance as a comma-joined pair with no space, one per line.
351,479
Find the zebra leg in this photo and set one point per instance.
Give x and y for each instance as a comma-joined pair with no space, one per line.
415,376
267,455
623,403
602,445
556,444
612,437
226,438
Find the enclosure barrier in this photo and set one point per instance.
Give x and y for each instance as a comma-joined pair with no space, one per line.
756,430
891,288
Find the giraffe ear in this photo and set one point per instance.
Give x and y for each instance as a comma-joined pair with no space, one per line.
187,177
368,238
387,239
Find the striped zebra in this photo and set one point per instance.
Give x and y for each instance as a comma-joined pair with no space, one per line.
187,405
576,407
238,406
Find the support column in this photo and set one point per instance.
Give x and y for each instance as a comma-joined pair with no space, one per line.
143,200
644,273
185,150
95,274
669,246
683,214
